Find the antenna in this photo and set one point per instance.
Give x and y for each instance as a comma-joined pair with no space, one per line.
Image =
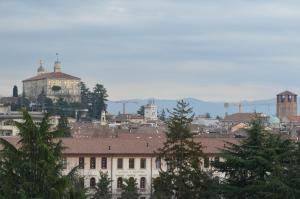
56,56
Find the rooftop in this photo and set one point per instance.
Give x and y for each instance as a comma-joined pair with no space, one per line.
128,145
287,93
52,75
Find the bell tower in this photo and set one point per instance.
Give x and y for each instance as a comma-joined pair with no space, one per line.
286,104
57,65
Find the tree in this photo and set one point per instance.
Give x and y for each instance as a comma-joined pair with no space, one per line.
184,177
33,170
260,166
63,126
141,111
99,97
85,95
15,91
207,115
103,188
130,190
162,116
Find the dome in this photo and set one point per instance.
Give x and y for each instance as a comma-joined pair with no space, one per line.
274,120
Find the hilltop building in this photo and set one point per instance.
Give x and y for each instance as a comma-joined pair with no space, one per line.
286,104
53,85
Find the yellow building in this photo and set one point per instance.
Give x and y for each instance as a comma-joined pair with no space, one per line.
53,85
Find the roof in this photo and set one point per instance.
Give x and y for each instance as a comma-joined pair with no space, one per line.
287,93
52,75
240,117
292,118
128,145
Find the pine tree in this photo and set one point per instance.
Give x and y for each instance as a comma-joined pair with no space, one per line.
258,167
103,188
141,111
130,190
63,126
99,98
34,168
184,177
162,116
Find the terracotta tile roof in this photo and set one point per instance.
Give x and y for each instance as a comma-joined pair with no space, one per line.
240,117
287,93
293,118
128,145
52,75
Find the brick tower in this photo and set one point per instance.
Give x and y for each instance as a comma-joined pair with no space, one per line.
286,104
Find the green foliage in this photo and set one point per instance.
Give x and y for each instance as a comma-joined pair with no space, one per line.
103,188
129,189
162,116
141,111
184,177
99,98
63,126
85,95
261,166
33,170
207,115
56,88
15,91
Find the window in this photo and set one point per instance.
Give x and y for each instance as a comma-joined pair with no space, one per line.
120,163
119,183
92,182
81,162
81,182
93,163
131,163
143,163
64,163
158,163
143,183
289,98
104,163
206,162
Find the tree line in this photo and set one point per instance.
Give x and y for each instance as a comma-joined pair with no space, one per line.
263,165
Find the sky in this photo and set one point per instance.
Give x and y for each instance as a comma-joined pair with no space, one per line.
212,50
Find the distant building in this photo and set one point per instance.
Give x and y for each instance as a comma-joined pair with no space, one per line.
53,85
286,104
150,111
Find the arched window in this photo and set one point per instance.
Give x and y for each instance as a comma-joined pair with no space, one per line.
119,183
92,182
143,183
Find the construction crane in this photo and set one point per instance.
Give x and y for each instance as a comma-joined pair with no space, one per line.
240,106
124,102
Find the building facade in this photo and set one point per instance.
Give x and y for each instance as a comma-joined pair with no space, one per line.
150,112
127,157
286,104
53,85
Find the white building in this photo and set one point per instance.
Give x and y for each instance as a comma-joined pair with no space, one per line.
129,156
150,112
53,85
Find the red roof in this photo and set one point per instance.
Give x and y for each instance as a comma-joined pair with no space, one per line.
129,145
240,117
52,75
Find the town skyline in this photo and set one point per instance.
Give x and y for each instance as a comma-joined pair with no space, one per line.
212,51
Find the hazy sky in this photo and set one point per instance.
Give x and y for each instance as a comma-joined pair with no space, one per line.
211,50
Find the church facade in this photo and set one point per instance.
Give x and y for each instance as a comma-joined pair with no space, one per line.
53,85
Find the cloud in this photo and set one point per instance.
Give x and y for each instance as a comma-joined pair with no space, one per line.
204,49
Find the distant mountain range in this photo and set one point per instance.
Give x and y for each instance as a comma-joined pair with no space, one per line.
199,107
